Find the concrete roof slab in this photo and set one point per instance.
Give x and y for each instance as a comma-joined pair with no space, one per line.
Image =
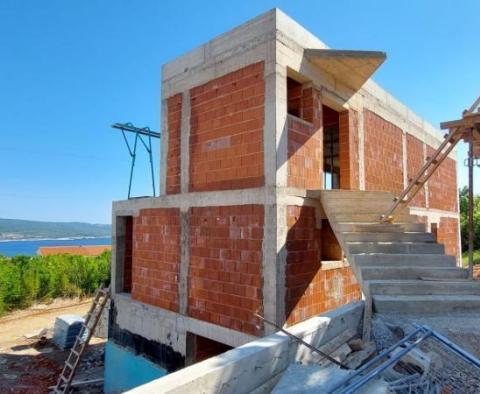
351,67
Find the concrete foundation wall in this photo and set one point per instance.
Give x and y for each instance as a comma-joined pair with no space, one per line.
248,367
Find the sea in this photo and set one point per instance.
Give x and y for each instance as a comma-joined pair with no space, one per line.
29,247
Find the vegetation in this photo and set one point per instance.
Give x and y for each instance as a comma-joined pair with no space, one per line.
463,197
476,257
25,280
21,229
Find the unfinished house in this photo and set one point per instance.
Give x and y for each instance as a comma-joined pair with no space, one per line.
278,157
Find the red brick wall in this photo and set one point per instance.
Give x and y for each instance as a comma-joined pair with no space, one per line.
156,257
447,234
174,113
127,260
442,186
226,140
305,159
414,164
225,272
309,290
312,106
383,154
348,140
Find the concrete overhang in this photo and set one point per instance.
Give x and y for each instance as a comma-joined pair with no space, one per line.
352,68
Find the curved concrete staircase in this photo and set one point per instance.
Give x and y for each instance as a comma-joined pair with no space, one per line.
399,265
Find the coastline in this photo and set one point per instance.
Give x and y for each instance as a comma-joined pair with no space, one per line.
54,239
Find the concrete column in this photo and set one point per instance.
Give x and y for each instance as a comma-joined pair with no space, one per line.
427,200
361,150
185,143
275,130
184,261
281,262
163,148
404,159
275,164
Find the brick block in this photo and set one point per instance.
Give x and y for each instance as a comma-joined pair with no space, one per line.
442,185
156,257
226,136
383,154
415,161
225,275
309,290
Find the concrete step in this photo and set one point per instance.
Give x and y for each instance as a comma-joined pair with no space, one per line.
426,304
406,272
376,227
368,217
403,260
395,247
387,237
424,287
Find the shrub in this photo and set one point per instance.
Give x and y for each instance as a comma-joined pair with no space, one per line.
25,280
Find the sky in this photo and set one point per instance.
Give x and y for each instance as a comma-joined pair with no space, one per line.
69,69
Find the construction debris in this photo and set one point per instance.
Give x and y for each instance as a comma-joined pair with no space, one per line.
357,358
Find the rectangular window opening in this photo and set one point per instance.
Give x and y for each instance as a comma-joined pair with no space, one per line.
200,348
294,97
331,148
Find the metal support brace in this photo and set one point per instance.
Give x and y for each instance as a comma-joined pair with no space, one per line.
139,132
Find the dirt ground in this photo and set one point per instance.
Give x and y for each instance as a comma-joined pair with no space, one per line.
29,366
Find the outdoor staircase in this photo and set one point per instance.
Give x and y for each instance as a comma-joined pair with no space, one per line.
398,264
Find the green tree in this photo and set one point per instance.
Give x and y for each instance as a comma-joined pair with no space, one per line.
463,199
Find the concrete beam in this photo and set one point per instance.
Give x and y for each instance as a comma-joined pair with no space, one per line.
168,327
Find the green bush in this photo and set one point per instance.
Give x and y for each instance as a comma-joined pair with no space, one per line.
463,198
25,280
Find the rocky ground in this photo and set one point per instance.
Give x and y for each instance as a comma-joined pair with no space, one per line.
32,364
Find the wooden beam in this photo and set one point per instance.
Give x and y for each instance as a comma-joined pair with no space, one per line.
469,121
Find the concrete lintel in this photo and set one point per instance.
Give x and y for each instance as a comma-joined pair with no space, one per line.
261,195
168,327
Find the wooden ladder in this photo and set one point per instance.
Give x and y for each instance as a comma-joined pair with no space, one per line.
73,360
468,129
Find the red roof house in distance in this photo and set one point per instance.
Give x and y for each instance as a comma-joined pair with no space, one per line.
82,250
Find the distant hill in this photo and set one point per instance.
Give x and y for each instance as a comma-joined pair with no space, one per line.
24,229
